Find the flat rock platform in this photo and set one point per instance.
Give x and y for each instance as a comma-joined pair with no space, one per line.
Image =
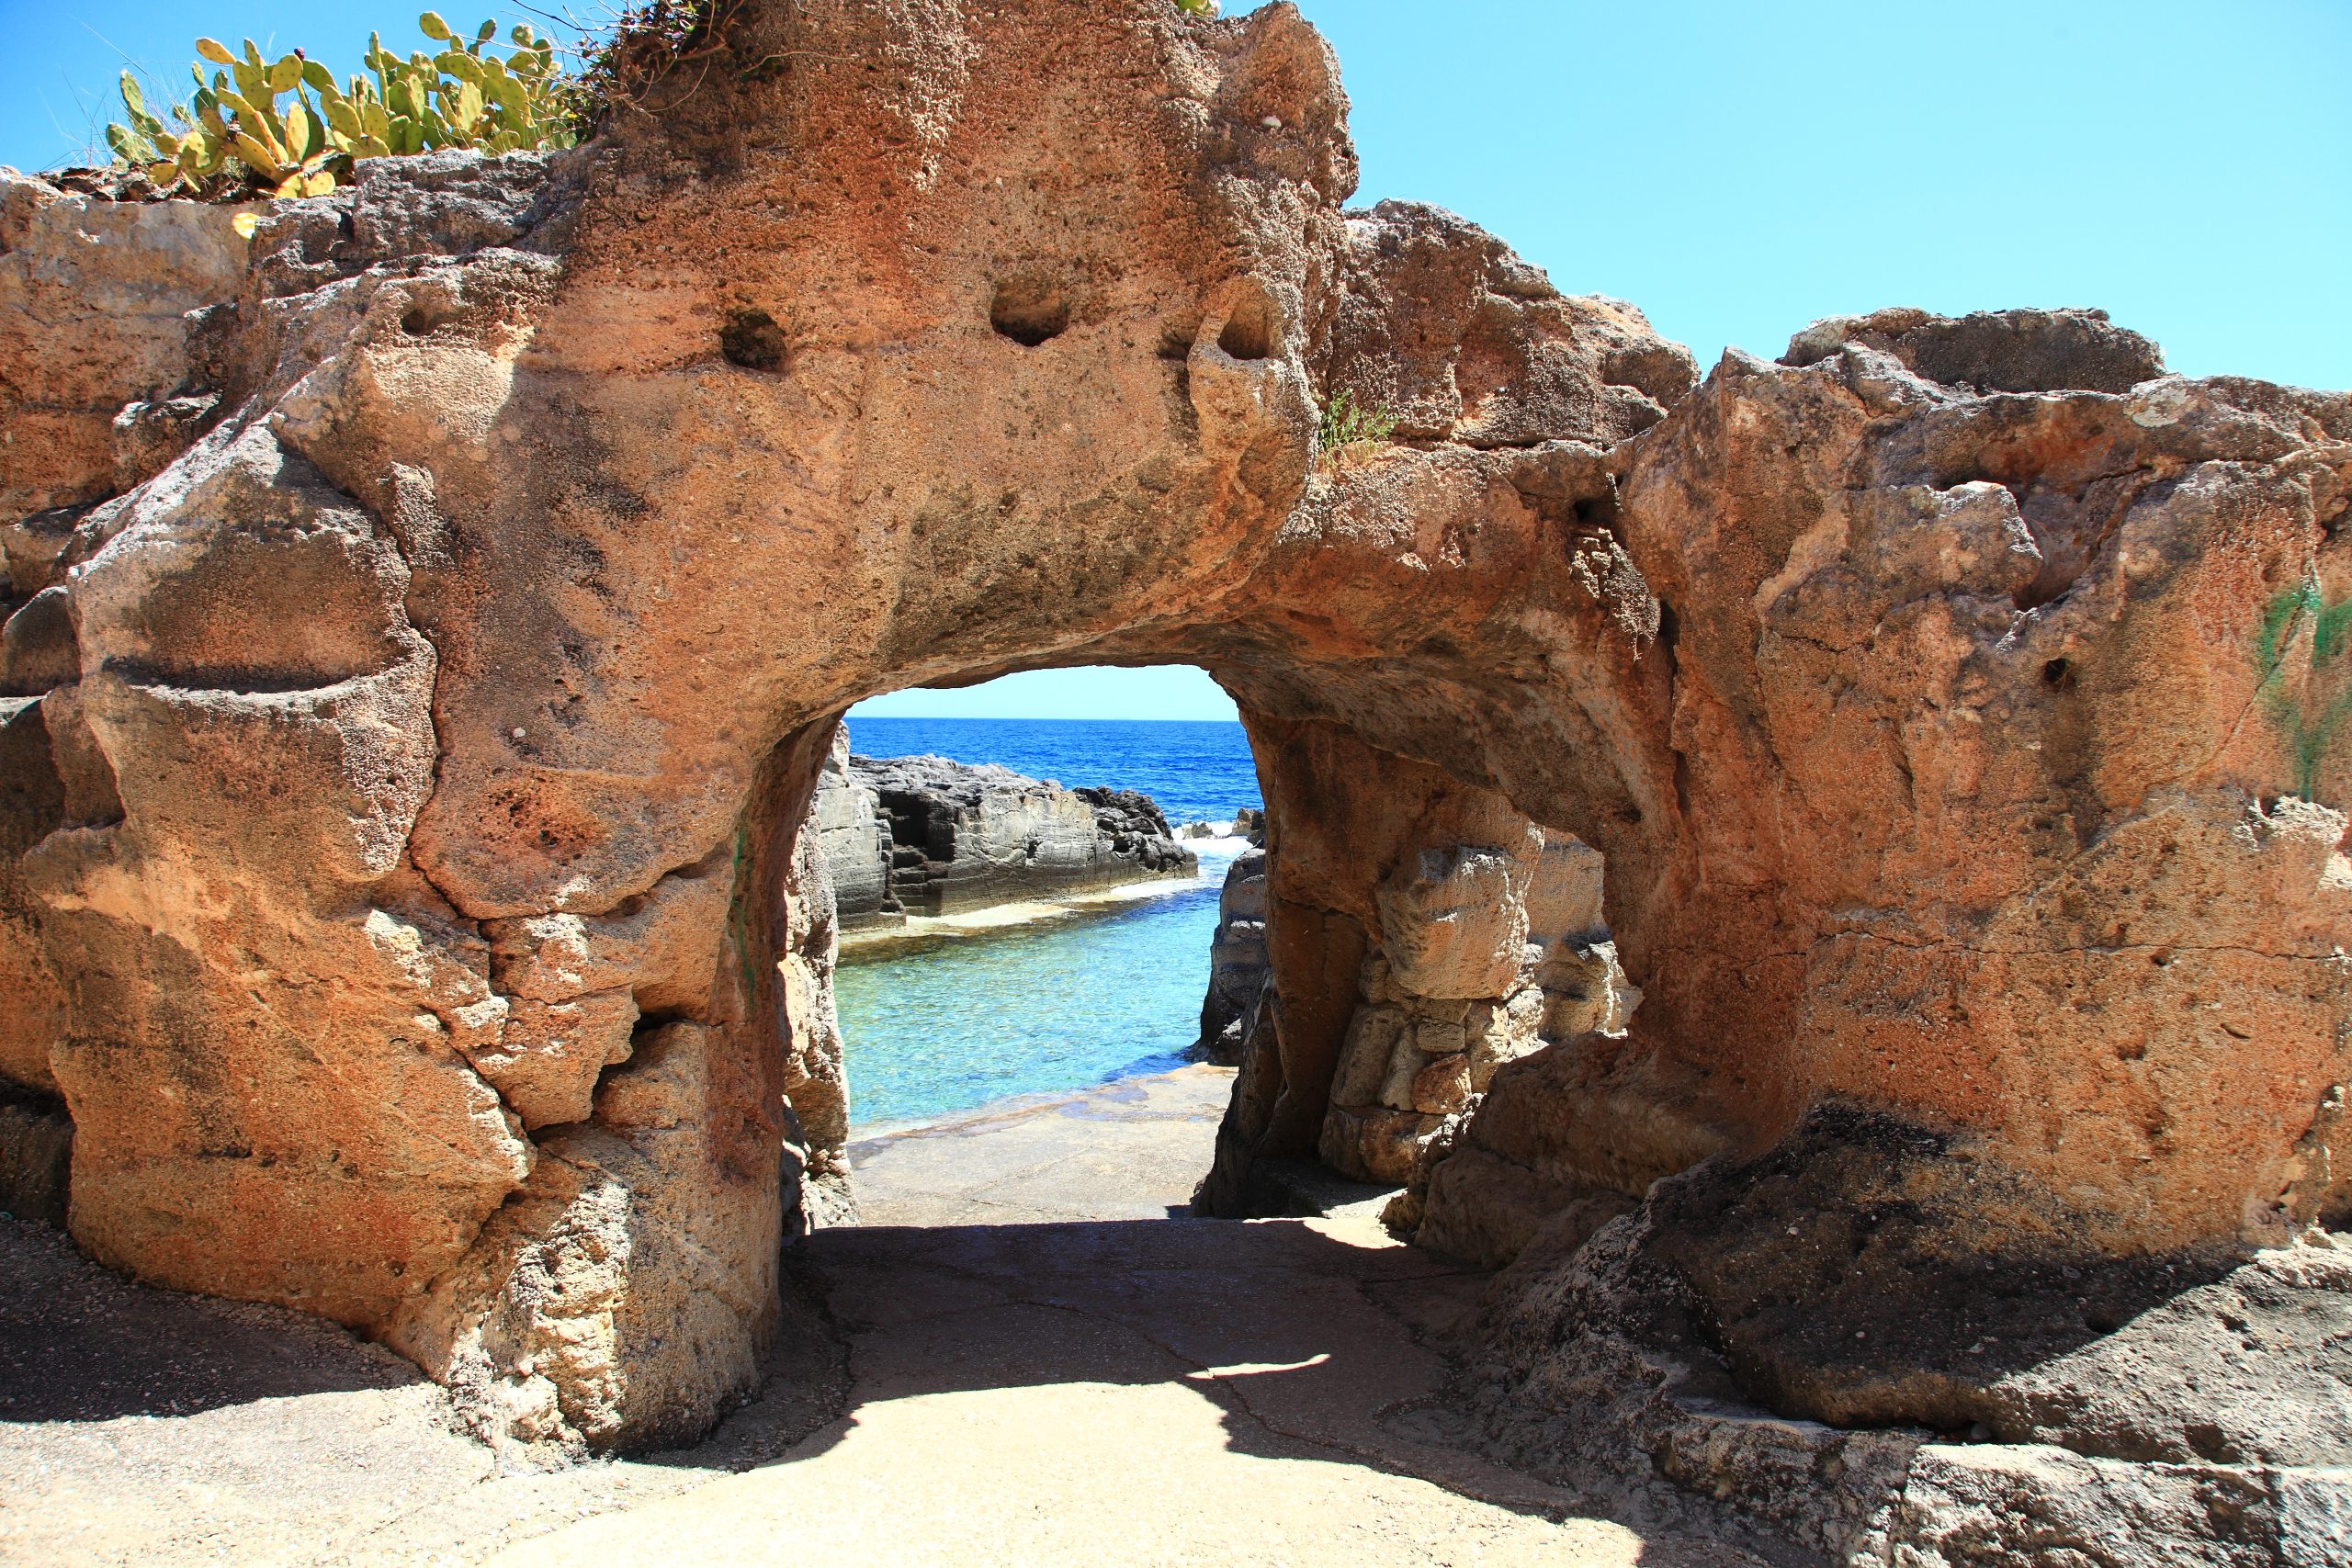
1025,1355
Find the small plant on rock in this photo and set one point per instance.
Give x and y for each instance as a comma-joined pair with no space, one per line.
2301,616
1351,431
233,134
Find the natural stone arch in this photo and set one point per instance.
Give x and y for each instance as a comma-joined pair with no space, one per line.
410,885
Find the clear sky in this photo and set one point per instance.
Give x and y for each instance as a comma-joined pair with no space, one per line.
1165,690
1737,169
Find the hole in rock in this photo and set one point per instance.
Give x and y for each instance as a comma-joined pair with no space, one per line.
1027,883
751,339
1029,309
429,313
1247,335
2058,673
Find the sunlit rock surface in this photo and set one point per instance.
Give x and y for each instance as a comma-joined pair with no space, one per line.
1237,965
926,836
448,622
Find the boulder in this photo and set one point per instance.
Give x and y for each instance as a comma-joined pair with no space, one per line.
1994,351
2135,1411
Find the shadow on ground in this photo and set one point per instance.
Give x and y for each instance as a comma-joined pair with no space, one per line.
1295,1332
78,1343
989,1372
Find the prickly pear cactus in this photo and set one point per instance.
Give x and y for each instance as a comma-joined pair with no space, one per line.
233,131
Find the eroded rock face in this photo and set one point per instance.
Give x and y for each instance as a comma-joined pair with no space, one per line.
1604,1368
404,891
1237,964
927,836
855,836
104,312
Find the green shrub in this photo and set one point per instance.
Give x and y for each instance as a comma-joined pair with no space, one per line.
233,134
232,138
1349,430
2284,690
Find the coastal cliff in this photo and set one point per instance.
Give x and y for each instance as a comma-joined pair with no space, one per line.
926,836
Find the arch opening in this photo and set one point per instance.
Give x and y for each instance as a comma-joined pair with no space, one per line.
1370,995
1027,904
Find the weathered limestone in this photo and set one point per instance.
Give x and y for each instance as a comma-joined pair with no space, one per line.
2208,1431
1237,964
1481,942
855,836
105,312
926,836
405,893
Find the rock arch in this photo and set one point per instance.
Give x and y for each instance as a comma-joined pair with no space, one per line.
403,895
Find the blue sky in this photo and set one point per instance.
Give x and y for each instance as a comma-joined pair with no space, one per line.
1737,170
1166,691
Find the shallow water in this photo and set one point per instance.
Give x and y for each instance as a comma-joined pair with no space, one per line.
948,1021
944,1023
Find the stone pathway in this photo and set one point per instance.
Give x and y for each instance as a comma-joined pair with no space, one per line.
1126,1151
1018,1359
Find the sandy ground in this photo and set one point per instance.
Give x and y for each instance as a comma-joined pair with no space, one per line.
1021,1357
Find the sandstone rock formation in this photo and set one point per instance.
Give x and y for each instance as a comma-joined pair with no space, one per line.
405,893
927,836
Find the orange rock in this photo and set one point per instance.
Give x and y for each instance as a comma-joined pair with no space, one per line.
1951,705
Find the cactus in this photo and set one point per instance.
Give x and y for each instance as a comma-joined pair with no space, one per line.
463,96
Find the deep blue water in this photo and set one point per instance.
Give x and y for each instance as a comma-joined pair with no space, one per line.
953,1022
1199,770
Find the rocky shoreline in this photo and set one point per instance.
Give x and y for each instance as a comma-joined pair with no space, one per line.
927,837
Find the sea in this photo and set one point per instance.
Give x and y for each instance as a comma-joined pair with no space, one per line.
1102,991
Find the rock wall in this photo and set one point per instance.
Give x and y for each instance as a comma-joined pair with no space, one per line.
403,892
927,836
854,833
1237,964
1453,937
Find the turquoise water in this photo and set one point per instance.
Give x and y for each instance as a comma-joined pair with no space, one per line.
951,1022
1080,1000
